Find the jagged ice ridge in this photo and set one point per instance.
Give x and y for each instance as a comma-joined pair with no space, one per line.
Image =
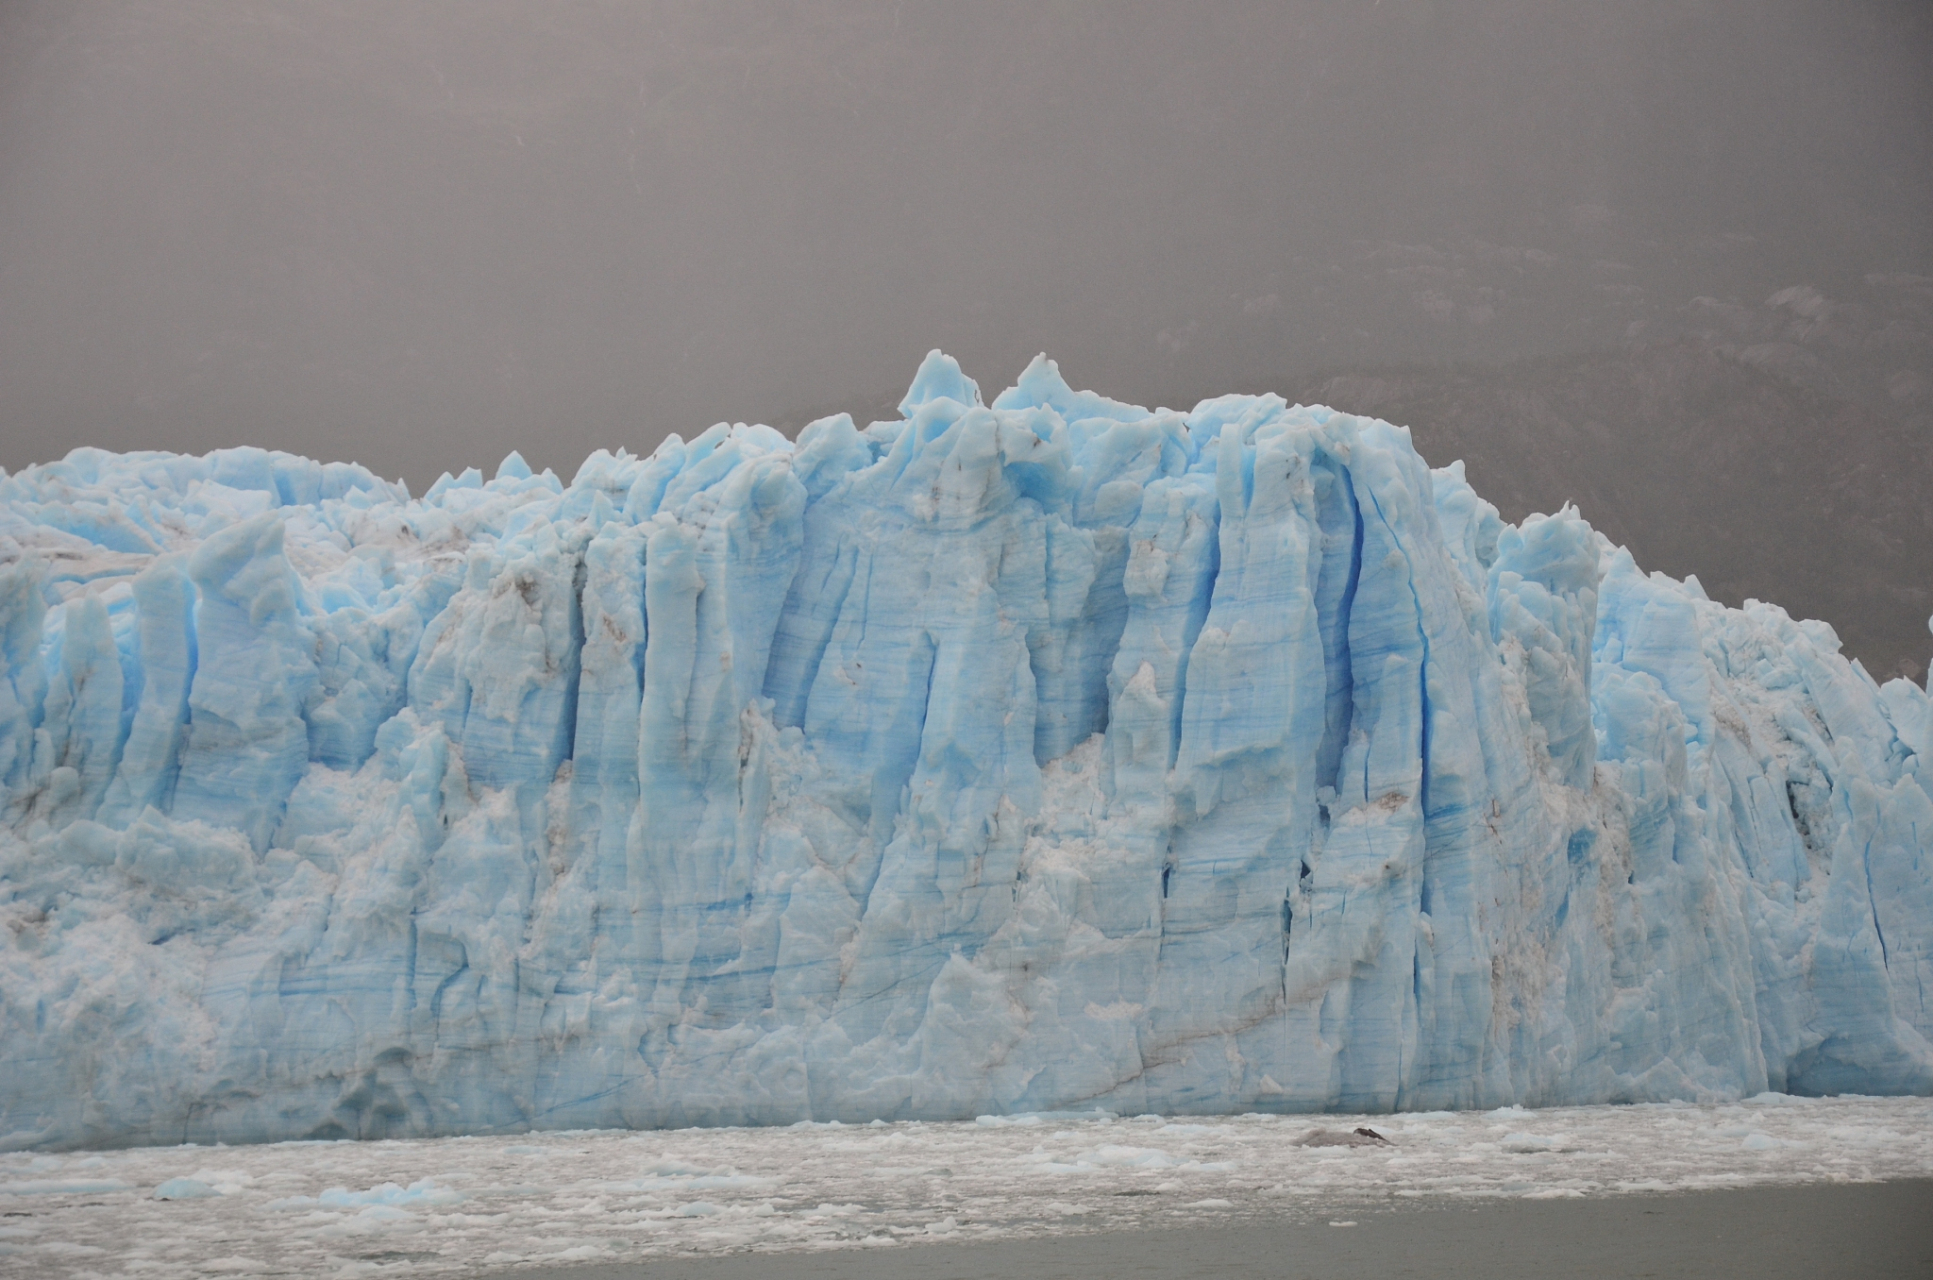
1004,758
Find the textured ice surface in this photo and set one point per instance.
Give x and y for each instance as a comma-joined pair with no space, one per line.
1045,755
460,1206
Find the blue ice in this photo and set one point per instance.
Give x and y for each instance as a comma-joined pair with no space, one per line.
1043,754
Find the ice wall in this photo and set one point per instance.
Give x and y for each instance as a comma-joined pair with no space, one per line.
1044,754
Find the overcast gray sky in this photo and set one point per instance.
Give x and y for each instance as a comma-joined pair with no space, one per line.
417,235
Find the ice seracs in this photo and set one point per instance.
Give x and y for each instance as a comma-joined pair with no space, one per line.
1000,758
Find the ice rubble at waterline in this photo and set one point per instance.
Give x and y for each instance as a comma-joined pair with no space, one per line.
996,759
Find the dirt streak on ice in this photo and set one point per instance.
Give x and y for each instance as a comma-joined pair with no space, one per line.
446,1206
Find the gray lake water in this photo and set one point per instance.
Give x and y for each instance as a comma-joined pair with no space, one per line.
1766,1233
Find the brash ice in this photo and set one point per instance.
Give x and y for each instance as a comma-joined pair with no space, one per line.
1002,758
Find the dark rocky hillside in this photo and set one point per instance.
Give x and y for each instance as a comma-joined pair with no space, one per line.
1700,463
1782,450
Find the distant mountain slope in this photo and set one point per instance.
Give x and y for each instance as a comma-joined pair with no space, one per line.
1700,461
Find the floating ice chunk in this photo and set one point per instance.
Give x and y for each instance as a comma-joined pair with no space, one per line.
422,1193
1361,1137
185,1189
1530,1143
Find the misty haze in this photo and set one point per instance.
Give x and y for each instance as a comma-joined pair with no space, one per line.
1671,262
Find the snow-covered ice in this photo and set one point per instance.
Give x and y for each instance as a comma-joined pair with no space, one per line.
454,1206
996,759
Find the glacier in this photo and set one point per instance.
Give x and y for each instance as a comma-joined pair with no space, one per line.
1043,754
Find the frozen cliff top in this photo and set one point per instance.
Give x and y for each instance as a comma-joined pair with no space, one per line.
1003,758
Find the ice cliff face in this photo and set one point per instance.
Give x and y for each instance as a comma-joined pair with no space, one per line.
1003,758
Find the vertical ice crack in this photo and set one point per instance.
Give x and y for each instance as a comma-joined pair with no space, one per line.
1191,631
1423,667
1872,903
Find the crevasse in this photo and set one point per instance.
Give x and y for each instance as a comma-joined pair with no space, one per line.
1000,758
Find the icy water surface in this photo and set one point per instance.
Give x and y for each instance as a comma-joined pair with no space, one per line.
449,1206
